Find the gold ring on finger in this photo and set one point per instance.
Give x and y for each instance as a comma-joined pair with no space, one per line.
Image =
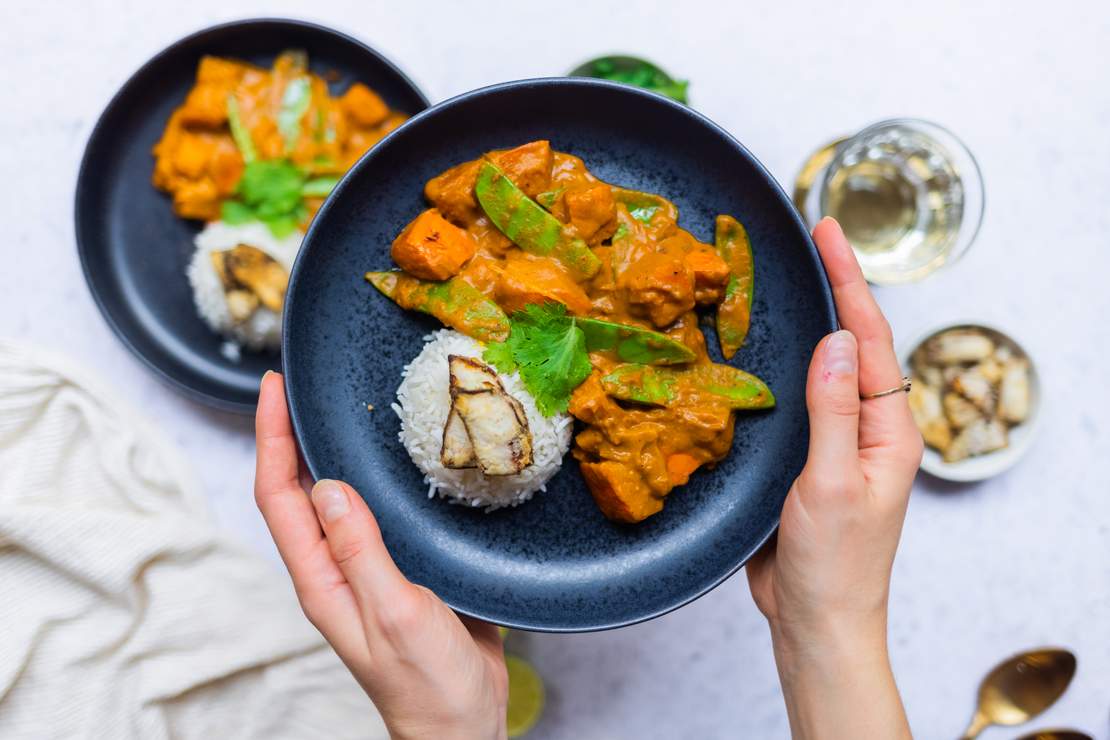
903,388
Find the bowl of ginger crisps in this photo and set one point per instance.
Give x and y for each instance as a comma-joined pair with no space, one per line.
975,397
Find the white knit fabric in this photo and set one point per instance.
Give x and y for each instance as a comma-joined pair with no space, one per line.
124,612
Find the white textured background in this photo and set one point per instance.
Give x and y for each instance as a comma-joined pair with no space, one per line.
984,571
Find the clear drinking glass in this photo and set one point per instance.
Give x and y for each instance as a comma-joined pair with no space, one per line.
907,192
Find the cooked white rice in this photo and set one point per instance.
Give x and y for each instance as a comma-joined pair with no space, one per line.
263,329
423,404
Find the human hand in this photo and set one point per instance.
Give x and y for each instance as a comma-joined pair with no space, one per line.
430,672
823,583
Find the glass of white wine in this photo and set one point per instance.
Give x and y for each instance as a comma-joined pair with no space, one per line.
908,194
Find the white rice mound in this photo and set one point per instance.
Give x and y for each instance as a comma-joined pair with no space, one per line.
263,329
423,402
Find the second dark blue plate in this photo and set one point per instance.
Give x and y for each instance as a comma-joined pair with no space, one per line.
134,250
555,563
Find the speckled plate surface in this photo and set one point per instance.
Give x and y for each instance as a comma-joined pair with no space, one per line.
555,563
134,249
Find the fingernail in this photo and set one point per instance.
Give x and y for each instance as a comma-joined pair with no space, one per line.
840,354
330,500
264,376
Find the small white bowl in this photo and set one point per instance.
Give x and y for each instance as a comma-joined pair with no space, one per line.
980,467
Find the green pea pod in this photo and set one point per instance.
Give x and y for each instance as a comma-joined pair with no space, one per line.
528,225
549,198
662,386
644,207
455,302
294,104
239,133
734,315
633,344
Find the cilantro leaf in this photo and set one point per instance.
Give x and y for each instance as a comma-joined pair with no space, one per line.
500,355
548,350
269,191
272,187
235,212
319,187
282,226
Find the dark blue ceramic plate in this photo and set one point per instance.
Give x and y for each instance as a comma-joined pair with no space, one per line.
133,248
555,563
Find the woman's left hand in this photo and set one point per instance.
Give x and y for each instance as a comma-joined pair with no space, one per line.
430,672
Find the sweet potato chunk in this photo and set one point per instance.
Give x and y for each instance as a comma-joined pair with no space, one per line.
528,166
432,248
711,275
619,493
218,69
452,192
527,279
364,106
591,210
680,466
660,285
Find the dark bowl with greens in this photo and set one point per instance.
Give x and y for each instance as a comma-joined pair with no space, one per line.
134,249
636,72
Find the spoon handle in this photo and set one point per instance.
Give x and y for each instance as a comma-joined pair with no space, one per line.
978,723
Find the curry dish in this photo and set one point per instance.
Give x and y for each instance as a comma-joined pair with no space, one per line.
530,228
286,114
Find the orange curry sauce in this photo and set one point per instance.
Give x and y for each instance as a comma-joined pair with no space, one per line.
631,456
198,163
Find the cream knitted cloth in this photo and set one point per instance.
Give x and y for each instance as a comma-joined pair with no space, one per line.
124,612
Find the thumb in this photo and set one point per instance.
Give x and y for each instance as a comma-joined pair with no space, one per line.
832,396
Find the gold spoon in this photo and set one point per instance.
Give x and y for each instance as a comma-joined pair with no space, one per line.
1056,735
1020,688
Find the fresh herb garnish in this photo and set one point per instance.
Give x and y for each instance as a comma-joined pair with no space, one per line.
273,190
548,350
639,73
319,187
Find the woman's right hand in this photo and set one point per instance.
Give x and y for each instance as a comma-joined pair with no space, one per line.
823,583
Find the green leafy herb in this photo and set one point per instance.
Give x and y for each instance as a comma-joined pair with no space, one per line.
235,213
270,191
285,224
273,191
294,104
239,132
549,350
640,73
500,355
319,187
271,187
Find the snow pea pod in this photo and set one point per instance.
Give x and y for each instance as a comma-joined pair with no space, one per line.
734,315
663,386
633,344
645,206
455,302
528,225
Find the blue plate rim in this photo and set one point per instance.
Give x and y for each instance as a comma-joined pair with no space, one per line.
82,183
434,110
